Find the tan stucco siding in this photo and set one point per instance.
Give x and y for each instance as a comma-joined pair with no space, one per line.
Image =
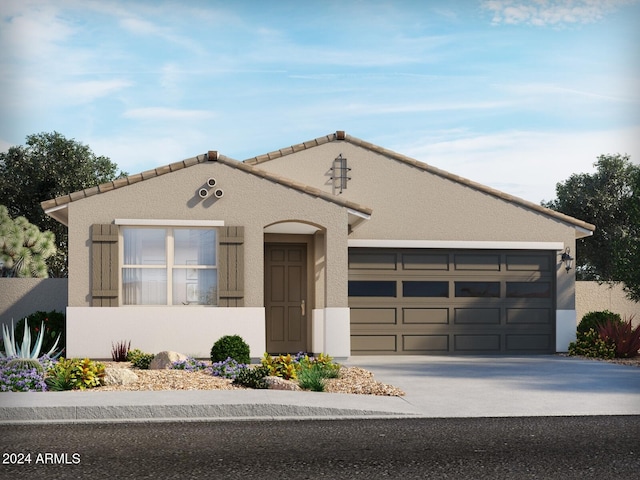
248,201
409,203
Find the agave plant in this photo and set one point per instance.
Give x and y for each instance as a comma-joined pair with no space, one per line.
12,349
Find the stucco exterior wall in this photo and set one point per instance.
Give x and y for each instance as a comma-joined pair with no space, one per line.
248,201
20,297
591,297
410,204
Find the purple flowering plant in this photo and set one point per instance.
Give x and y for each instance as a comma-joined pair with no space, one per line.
228,368
190,365
21,378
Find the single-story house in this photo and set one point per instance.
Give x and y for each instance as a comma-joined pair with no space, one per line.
334,245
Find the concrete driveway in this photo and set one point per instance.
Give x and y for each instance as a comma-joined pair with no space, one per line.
435,387
498,386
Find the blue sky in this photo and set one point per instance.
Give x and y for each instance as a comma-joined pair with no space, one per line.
514,94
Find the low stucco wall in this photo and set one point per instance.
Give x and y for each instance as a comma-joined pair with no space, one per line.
91,331
590,297
20,297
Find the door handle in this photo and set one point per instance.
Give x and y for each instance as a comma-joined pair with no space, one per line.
302,307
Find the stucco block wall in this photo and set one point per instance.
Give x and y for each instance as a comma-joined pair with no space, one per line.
590,297
20,297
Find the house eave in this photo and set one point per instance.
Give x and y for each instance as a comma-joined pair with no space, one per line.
59,213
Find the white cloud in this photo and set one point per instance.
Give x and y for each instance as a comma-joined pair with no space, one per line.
550,12
85,92
162,113
526,164
146,28
31,29
138,151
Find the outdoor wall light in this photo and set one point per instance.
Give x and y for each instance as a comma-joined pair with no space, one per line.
567,259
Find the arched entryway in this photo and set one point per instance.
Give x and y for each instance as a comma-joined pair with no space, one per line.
290,273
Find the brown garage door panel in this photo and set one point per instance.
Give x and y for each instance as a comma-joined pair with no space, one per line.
372,261
425,316
458,301
477,316
542,343
476,343
425,261
538,316
425,343
530,263
477,262
373,343
373,316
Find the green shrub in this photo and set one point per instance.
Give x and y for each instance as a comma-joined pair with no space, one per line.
590,344
139,359
284,366
74,373
593,319
289,366
311,377
54,325
324,363
252,377
230,346
625,338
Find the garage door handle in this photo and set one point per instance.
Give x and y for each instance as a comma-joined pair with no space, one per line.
302,307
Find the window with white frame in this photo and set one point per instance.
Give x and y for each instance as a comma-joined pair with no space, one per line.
169,266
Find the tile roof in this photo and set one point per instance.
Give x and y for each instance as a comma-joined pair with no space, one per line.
250,164
342,136
62,201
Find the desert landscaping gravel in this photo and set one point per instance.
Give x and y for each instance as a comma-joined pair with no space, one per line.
353,380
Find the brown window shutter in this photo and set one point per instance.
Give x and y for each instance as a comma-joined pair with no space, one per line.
231,267
104,262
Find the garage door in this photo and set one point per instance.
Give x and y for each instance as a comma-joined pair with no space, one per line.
439,302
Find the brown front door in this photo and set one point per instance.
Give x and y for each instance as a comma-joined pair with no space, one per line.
285,297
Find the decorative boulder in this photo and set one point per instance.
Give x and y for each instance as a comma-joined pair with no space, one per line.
278,383
119,376
163,360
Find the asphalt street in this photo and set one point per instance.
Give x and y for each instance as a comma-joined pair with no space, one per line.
593,447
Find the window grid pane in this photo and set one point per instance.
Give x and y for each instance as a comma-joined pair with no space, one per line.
194,247
478,289
144,286
195,287
425,289
145,246
165,266
372,288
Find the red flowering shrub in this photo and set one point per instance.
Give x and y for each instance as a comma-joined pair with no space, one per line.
624,337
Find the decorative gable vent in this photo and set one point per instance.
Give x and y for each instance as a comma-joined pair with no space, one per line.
340,174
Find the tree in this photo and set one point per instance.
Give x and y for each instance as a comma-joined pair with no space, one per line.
23,248
609,199
47,167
